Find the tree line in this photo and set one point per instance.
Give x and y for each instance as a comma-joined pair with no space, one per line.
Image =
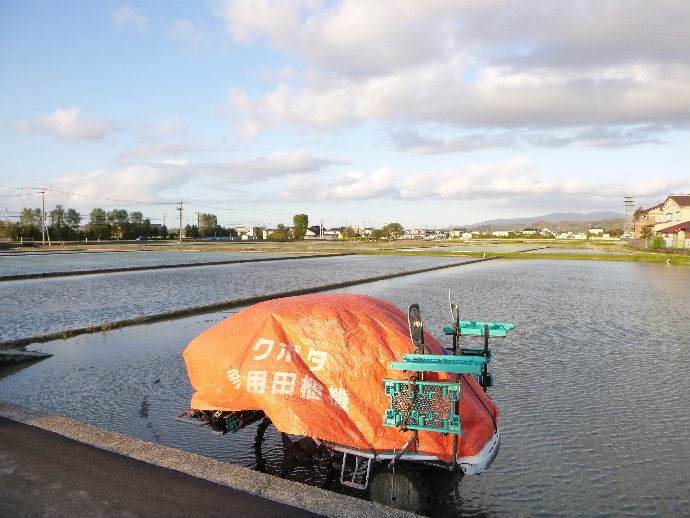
66,225
300,226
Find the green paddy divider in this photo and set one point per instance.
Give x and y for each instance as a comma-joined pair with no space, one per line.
624,257
44,275
219,306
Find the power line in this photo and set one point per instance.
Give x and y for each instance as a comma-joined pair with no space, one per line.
67,193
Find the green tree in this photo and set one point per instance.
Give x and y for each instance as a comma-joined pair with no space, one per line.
392,230
301,224
191,231
98,217
9,230
72,219
98,223
208,225
349,233
647,232
281,233
658,242
30,223
259,233
57,221
30,217
119,218
136,218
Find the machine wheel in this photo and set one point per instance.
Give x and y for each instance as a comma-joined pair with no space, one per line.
407,489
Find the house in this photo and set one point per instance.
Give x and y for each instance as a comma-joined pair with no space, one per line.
671,212
313,232
248,233
333,233
572,235
529,231
598,232
676,236
501,233
545,232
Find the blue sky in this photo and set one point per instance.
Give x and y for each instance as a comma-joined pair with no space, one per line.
432,114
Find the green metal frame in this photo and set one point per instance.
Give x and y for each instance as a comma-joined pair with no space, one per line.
476,328
441,363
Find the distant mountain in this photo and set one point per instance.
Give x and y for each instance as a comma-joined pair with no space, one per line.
565,220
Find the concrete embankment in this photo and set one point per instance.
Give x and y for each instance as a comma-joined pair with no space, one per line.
220,306
43,275
56,466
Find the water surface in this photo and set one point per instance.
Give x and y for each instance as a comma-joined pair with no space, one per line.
593,387
38,306
16,264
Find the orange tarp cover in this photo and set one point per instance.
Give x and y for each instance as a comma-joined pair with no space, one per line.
315,364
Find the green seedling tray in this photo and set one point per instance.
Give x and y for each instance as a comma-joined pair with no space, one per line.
423,405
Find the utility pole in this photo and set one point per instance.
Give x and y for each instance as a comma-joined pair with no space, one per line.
164,219
180,210
198,223
43,215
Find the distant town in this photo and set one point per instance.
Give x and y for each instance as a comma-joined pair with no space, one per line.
664,225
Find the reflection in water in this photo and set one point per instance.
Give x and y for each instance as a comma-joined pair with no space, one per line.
593,387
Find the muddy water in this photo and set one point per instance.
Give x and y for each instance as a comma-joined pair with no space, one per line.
593,387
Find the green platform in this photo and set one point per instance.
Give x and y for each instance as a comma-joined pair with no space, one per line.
441,363
476,328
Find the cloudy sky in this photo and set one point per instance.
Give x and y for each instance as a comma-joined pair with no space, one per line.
426,112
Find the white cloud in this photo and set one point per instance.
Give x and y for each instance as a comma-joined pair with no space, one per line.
128,16
136,183
519,179
188,32
481,64
279,163
359,37
498,97
516,181
410,140
68,124
169,138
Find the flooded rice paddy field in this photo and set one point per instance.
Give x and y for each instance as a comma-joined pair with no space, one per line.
593,386
28,263
39,306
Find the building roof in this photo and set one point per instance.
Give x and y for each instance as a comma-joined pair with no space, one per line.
657,206
682,199
675,228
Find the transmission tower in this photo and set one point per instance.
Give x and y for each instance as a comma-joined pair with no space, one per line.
629,204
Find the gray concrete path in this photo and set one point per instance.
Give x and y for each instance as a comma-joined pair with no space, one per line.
45,474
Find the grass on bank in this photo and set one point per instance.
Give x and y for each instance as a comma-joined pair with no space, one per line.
631,257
